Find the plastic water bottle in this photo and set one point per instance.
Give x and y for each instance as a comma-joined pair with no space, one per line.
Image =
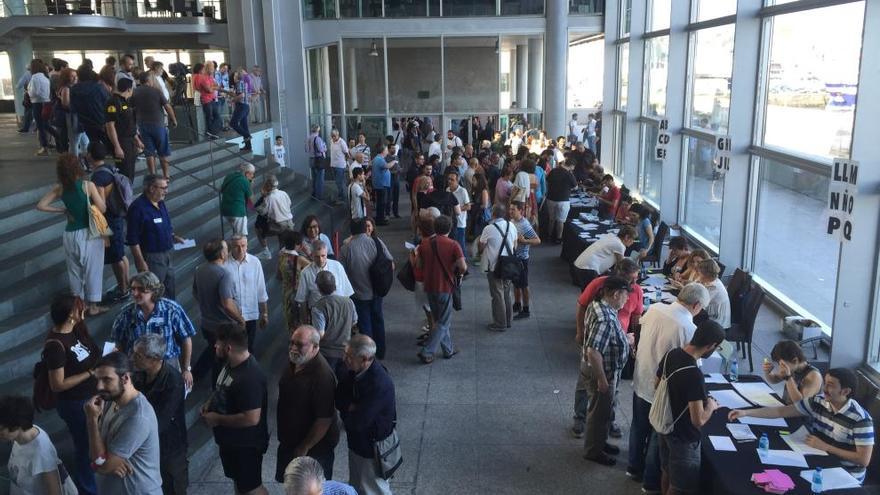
734,370
763,445
657,294
816,485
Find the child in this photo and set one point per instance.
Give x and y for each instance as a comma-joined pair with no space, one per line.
278,151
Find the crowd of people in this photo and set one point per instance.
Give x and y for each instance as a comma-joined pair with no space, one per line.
130,108
480,206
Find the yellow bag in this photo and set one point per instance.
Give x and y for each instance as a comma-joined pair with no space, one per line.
98,226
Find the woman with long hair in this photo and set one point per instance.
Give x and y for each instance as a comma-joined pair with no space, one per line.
64,119
85,255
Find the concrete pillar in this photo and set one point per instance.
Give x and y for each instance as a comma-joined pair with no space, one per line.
351,78
555,54
20,57
536,74
326,101
522,76
512,56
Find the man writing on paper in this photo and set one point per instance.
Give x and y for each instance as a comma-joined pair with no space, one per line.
838,424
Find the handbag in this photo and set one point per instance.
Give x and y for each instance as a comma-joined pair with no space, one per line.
456,283
406,277
43,397
98,226
321,161
389,457
508,267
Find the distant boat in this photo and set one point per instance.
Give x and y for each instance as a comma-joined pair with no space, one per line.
841,95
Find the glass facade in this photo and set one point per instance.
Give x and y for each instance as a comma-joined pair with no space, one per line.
703,191
363,63
709,103
466,8
585,79
812,80
658,15
704,10
327,9
651,168
7,86
622,75
656,58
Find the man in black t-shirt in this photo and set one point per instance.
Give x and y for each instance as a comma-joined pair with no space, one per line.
560,182
119,124
114,253
443,200
691,406
237,411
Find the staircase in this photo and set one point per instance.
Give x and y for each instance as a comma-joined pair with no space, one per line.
35,270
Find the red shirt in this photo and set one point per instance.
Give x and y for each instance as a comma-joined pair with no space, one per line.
435,279
204,84
633,305
613,195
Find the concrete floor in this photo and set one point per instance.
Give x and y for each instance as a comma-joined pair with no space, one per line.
496,417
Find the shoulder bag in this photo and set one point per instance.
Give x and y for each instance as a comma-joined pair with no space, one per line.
389,456
43,397
381,271
508,267
98,226
456,282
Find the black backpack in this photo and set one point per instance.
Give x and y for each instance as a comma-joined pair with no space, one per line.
381,272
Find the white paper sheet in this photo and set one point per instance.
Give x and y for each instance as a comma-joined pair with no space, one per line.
409,246
833,479
798,442
722,444
729,398
758,393
778,422
187,243
784,458
108,348
741,432
715,378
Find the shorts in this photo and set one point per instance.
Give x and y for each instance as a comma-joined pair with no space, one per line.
244,466
155,139
680,460
557,211
115,251
238,224
523,281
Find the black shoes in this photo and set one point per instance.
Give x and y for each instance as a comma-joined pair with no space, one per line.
522,314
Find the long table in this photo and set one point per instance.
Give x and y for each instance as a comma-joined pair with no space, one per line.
581,202
580,232
731,472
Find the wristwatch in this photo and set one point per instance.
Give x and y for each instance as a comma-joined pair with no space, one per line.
189,368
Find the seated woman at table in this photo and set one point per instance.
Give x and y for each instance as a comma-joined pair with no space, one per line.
624,214
644,228
802,380
718,309
679,252
838,424
690,273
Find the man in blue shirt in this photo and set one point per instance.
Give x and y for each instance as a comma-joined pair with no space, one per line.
150,235
382,182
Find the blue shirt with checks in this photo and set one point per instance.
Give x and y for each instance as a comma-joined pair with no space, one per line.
167,319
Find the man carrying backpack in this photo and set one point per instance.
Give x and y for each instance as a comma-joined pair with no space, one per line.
116,190
681,407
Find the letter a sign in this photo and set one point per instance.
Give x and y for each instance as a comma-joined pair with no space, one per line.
842,192
663,138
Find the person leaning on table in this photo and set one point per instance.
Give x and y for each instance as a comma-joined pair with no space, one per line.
802,379
837,423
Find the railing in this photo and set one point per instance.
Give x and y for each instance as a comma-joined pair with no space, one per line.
146,9
351,9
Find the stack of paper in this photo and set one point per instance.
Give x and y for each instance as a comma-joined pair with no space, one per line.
798,442
833,479
757,393
773,481
783,458
741,433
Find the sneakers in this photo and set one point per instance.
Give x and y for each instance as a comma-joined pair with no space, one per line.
496,328
42,152
265,254
614,431
634,474
517,307
577,430
611,449
603,459
522,314
116,295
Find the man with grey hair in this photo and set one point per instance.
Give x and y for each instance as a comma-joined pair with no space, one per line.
307,293
339,157
250,286
365,401
163,387
149,234
664,327
151,314
305,476
317,151
234,196
306,416
498,239
333,316
274,214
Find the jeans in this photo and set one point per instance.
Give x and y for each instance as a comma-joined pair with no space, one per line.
458,236
644,451
317,179
381,203
591,143
341,187
71,411
239,120
251,329
174,469
27,118
371,322
441,309
43,127
391,204
208,359
581,397
212,117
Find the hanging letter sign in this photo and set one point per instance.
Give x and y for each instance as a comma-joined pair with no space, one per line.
841,199
722,154
663,138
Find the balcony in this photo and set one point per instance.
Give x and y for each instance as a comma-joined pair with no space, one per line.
130,10
353,9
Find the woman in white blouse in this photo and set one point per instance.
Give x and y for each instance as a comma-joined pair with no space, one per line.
718,308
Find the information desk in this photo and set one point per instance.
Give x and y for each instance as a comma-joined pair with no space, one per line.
581,202
578,233
731,472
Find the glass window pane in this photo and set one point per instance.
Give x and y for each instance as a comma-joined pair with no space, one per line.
812,80
656,57
652,169
414,74
464,8
623,74
533,7
218,56
583,7
372,127
792,252
167,57
411,8
619,141
625,17
713,9
73,58
6,87
98,58
319,9
712,71
703,191
364,67
360,8
324,80
659,14
585,80
471,74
